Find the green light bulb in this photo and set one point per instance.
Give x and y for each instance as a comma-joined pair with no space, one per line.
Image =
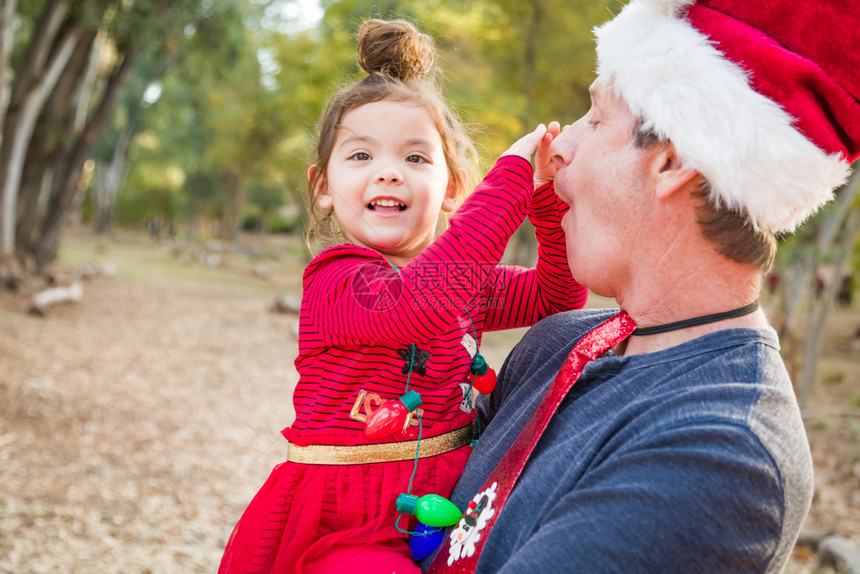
430,509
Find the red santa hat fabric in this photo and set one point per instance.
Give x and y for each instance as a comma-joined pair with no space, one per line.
762,98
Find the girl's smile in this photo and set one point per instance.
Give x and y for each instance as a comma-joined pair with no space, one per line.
384,205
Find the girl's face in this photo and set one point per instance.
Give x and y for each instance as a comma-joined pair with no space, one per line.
387,179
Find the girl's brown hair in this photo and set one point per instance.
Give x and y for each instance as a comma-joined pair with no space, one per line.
398,60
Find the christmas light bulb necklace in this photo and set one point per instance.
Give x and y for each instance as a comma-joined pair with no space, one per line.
444,507
432,511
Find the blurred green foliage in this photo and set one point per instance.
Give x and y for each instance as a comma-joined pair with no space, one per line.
224,119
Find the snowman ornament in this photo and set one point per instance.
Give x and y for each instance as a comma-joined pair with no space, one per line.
474,520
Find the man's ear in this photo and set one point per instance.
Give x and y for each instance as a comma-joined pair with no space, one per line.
669,172
321,194
456,187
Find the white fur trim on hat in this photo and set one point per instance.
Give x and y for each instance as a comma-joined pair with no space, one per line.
744,144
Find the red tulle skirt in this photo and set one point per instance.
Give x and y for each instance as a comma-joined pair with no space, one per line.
311,519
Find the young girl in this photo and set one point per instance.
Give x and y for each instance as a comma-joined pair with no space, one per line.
395,311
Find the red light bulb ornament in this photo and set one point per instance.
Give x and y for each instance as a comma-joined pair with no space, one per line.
391,416
484,377
430,509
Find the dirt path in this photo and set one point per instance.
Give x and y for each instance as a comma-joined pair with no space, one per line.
136,426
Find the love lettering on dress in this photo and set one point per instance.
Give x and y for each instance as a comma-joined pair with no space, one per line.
367,402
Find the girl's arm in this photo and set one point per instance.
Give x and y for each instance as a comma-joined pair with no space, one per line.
363,300
521,297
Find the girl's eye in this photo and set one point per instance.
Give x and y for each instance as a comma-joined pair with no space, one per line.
360,156
414,158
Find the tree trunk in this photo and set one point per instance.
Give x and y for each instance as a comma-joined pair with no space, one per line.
820,308
109,179
22,123
46,55
837,234
7,17
69,169
233,207
51,136
103,202
89,81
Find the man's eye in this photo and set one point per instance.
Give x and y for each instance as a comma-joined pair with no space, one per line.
592,118
360,156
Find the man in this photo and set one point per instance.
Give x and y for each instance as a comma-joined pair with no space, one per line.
714,126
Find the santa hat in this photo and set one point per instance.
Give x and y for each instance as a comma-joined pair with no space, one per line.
761,97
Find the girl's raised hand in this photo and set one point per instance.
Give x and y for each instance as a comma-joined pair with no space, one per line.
525,146
544,167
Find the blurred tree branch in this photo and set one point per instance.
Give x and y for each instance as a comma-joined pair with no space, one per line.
810,269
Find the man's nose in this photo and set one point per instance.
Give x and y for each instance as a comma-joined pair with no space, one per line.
564,147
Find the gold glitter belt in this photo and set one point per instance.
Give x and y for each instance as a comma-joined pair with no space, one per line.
329,454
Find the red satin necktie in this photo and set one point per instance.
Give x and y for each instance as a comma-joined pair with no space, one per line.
463,548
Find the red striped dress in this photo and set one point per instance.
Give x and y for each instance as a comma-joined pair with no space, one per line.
358,317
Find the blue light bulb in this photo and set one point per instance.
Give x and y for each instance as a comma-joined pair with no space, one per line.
429,538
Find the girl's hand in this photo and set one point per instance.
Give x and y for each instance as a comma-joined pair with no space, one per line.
525,146
544,167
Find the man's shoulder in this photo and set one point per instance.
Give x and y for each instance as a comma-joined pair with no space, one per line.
549,340
540,353
565,328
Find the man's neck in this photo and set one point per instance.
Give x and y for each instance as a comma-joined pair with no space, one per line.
667,298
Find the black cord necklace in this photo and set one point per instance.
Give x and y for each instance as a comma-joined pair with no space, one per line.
695,321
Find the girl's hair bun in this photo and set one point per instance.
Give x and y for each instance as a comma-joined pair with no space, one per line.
394,48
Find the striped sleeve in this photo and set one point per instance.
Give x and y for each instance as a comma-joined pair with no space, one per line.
520,297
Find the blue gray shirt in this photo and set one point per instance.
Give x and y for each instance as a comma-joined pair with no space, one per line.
691,459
